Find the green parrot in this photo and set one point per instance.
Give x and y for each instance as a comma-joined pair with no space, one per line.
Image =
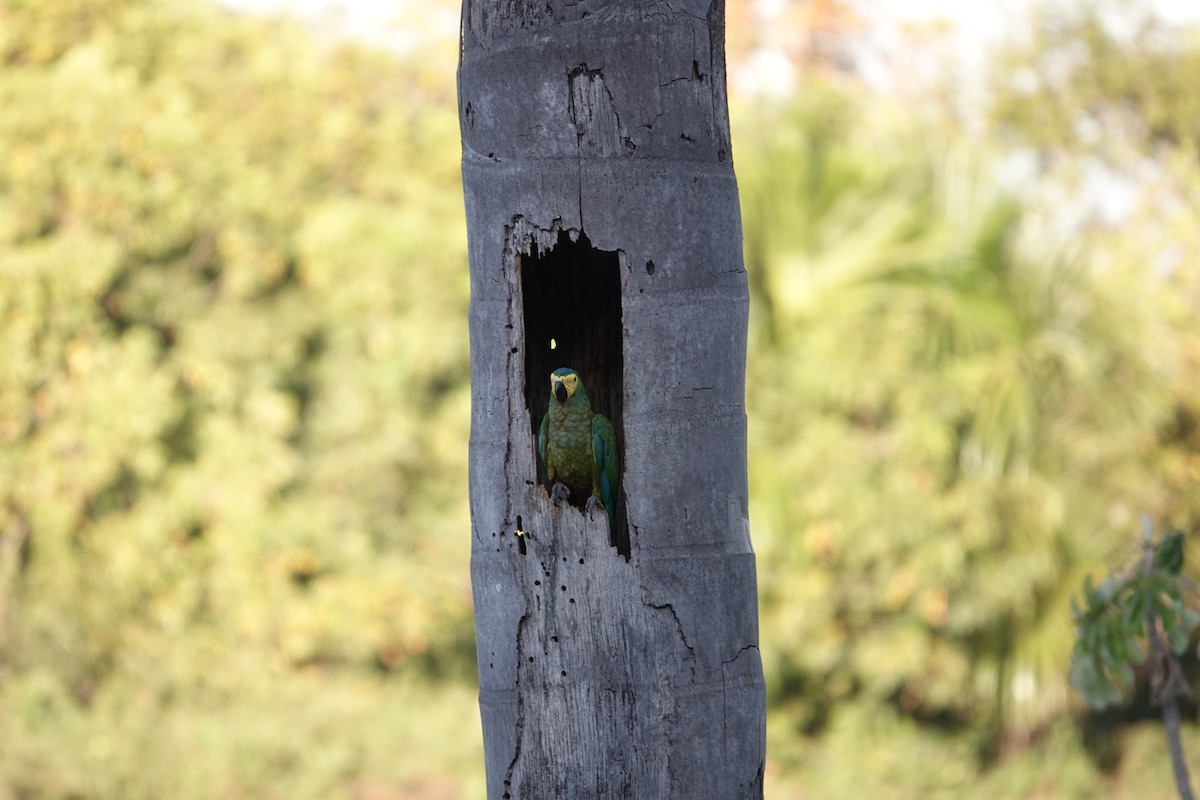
578,447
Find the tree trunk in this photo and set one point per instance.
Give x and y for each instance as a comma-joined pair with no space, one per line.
604,235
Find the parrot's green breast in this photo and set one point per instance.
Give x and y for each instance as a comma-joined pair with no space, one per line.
578,447
569,458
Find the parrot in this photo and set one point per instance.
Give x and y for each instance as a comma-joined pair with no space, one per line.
578,447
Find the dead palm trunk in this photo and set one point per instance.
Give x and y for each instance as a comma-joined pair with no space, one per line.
604,235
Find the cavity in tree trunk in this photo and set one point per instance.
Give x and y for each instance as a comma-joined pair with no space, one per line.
604,235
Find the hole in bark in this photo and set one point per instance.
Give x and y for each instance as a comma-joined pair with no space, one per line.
571,301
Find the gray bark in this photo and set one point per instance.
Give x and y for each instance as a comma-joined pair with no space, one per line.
629,671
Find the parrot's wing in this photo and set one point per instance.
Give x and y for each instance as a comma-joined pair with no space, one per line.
606,464
541,443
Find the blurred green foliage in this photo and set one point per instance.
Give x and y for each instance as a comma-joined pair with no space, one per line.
233,406
234,412
1112,622
954,417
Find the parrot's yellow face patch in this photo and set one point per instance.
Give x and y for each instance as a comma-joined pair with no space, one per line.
570,383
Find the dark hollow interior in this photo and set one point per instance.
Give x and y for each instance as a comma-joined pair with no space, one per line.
572,296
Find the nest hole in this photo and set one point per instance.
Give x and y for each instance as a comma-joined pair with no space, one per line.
571,301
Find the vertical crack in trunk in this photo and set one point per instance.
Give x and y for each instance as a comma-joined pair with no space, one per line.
598,128
682,634
520,725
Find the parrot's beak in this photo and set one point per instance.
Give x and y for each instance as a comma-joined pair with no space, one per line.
560,391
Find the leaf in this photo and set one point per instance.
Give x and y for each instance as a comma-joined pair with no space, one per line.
1107,653
1135,610
1123,673
1169,555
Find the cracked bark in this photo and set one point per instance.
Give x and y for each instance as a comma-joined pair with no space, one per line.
605,121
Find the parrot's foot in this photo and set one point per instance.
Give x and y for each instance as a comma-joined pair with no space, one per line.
593,503
558,493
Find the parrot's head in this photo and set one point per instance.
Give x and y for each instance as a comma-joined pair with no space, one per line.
564,382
